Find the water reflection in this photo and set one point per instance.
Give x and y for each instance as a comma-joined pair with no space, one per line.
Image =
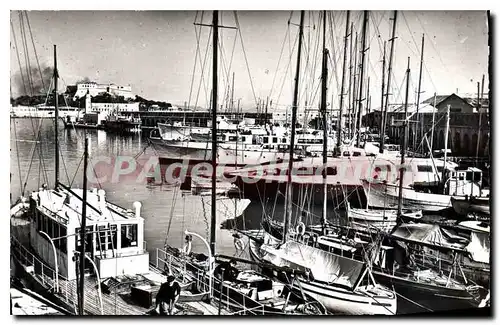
168,211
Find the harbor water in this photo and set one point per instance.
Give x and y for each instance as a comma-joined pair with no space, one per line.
167,209
160,203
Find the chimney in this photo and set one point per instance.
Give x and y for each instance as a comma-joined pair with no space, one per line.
137,205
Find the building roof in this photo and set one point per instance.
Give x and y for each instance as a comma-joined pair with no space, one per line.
400,108
442,98
472,101
439,99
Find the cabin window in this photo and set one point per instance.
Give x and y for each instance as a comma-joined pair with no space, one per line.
55,232
283,140
45,225
264,285
38,221
129,236
88,241
331,170
461,176
477,176
243,139
233,138
62,241
424,169
266,139
346,154
107,237
102,240
356,154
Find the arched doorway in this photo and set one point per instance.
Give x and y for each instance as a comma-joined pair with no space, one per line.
485,143
450,141
474,144
466,145
441,140
457,150
410,139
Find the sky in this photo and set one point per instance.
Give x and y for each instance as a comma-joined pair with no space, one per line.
155,52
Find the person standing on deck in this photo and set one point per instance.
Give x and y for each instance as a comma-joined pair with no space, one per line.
167,296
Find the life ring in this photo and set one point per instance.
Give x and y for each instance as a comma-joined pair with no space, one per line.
301,228
187,248
238,244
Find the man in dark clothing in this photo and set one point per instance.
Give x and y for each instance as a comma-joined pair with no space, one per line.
229,269
168,295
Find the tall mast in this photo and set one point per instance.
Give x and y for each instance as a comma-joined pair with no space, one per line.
56,118
417,135
389,73
368,97
354,84
479,126
433,121
232,96
339,128
214,129
482,87
267,105
81,286
288,210
349,108
447,130
403,148
324,80
362,68
382,133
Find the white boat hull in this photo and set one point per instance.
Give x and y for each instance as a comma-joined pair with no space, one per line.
346,302
168,131
202,151
387,196
377,219
339,300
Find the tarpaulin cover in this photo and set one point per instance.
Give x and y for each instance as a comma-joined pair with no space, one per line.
428,234
323,266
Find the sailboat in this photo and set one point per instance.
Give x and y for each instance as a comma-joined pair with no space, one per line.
393,264
250,292
342,284
83,252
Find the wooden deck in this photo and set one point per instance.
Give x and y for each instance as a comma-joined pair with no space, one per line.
117,302
120,303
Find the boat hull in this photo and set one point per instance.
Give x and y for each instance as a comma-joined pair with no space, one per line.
337,299
384,220
199,152
385,196
428,297
463,206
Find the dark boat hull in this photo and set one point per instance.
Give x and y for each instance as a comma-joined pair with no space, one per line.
422,297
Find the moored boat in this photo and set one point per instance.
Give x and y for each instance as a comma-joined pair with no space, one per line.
341,284
464,205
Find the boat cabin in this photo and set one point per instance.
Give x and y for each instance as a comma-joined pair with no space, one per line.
258,287
464,181
114,236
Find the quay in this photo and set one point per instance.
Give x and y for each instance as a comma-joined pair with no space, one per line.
150,119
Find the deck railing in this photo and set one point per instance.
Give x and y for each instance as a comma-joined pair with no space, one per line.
46,276
200,277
